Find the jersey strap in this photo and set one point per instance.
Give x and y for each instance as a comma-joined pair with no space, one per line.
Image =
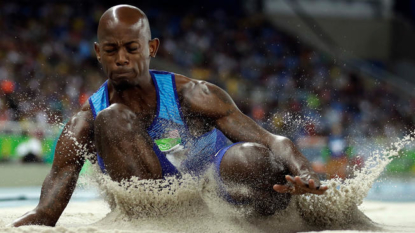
168,104
98,102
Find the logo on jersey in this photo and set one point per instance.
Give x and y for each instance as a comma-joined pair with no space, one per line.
172,139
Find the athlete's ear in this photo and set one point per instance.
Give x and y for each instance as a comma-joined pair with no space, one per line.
97,51
153,46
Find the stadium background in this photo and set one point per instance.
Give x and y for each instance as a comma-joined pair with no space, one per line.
334,76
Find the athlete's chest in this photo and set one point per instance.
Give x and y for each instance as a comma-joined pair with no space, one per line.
144,108
146,115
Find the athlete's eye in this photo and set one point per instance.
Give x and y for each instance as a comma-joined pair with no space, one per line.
132,49
109,49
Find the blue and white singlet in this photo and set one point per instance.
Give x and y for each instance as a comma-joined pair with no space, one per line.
169,130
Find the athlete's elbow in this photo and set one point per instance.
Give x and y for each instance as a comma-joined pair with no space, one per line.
281,144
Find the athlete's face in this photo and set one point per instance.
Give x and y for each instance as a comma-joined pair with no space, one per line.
124,52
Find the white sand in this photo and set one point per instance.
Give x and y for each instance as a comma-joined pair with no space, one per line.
81,216
391,216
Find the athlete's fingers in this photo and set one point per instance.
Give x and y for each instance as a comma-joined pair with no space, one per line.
298,186
283,188
311,184
298,181
290,179
301,183
322,189
289,189
319,191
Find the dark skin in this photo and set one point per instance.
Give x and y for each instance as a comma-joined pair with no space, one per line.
124,50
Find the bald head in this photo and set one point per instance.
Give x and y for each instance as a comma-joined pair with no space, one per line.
124,46
123,16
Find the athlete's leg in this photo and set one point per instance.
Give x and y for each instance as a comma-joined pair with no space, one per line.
124,145
257,168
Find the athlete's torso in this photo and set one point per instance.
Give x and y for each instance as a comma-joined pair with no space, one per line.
177,134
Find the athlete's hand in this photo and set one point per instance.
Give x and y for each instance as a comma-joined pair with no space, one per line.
30,218
296,186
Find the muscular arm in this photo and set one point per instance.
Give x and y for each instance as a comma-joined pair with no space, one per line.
212,102
60,183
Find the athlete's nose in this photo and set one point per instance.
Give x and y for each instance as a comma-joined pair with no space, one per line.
122,58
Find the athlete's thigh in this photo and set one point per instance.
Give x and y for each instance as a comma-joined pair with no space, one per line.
124,145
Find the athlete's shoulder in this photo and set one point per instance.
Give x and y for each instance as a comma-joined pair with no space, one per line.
85,112
86,107
204,97
186,85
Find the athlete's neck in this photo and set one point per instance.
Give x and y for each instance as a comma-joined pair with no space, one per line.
127,91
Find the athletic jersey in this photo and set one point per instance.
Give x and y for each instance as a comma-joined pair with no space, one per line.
177,150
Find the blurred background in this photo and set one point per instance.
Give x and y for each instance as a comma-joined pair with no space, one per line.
336,76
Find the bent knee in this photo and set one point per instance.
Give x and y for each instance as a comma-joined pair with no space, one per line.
254,154
284,143
246,162
247,148
254,164
115,113
115,120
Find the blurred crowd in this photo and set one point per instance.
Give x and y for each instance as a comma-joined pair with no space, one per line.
48,69
277,80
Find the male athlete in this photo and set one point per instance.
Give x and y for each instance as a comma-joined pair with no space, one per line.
153,124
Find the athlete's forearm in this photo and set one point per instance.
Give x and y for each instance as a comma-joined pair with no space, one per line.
59,185
56,192
297,164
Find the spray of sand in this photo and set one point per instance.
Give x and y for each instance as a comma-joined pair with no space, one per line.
184,205
192,205
338,207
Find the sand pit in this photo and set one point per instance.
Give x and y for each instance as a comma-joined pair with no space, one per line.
83,217
191,204
391,214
